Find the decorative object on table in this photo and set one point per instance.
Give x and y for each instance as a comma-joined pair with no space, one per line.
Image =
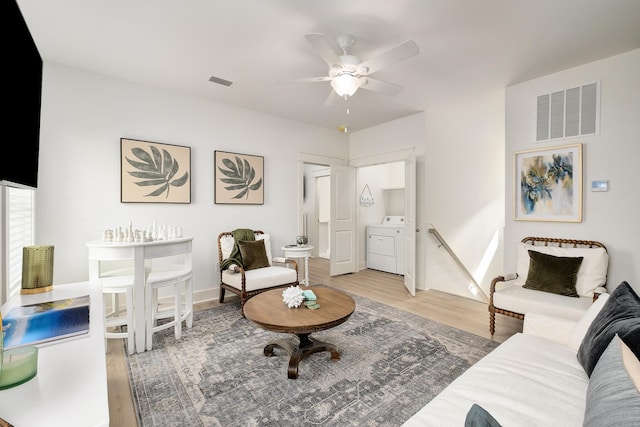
154,173
292,296
548,184
310,299
19,365
45,321
302,240
37,269
309,295
129,234
238,178
366,198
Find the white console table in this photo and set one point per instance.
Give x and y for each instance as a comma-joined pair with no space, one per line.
70,386
300,252
141,253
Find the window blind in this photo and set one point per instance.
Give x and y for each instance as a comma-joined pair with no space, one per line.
19,214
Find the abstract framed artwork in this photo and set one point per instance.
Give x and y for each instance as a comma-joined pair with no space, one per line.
548,184
152,172
239,178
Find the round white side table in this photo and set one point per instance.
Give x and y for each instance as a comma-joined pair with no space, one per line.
300,252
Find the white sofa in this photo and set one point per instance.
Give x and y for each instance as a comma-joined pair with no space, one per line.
535,378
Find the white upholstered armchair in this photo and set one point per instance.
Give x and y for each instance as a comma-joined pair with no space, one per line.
558,277
255,270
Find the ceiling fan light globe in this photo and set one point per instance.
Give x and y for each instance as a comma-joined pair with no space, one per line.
345,85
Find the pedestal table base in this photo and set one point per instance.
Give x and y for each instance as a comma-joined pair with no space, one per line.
305,348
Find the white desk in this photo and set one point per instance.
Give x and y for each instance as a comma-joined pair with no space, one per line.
300,252
141,253
70,387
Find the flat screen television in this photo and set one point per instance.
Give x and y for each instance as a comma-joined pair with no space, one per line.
21,127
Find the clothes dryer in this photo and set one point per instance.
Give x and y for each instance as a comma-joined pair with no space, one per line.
385,245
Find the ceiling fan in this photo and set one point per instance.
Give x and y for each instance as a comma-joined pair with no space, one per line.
347,73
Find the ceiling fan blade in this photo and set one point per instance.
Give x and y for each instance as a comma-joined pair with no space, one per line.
399,53
305,80
324,49
380,86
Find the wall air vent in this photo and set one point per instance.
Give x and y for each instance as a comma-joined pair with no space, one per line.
567,113
220,81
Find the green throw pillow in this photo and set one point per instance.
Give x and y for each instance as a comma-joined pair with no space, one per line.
553,274
254,254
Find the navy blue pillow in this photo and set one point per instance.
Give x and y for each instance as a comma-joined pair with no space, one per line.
619,315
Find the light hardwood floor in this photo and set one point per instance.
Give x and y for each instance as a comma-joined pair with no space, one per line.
461,313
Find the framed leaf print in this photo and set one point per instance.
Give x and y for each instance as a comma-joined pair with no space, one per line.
548,184
239,178
154,173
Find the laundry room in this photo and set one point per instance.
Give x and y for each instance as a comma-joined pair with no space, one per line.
380,193
381,216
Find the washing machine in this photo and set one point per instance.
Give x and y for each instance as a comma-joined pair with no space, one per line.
385,245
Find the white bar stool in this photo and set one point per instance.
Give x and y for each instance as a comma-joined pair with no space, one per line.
180,283
117,318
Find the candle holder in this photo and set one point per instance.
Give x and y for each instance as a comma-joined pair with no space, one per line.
37,269
19,365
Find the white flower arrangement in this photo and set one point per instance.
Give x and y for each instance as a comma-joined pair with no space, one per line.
292,296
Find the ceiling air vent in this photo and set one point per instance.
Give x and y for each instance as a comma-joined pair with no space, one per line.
220,81
567,113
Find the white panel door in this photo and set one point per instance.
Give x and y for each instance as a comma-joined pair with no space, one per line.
342,223
410,224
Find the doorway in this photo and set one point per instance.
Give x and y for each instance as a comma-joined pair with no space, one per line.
308,219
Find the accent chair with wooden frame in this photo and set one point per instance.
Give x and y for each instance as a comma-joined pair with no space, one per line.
245,281
550,260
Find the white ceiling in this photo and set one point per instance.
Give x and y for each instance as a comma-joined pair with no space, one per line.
466,47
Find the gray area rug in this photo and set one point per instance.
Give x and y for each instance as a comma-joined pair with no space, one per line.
392,363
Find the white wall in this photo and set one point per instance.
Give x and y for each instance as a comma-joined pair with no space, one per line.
464,188
459,149
84,115
609,217
378,179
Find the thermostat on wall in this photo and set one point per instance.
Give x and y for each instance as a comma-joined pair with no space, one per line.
602,185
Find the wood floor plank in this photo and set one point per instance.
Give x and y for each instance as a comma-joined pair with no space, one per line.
387,288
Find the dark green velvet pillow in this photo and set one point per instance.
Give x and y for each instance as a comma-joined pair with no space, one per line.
555,274
254,254
620,315
479,417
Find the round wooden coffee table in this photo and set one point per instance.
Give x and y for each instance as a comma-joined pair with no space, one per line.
268,311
